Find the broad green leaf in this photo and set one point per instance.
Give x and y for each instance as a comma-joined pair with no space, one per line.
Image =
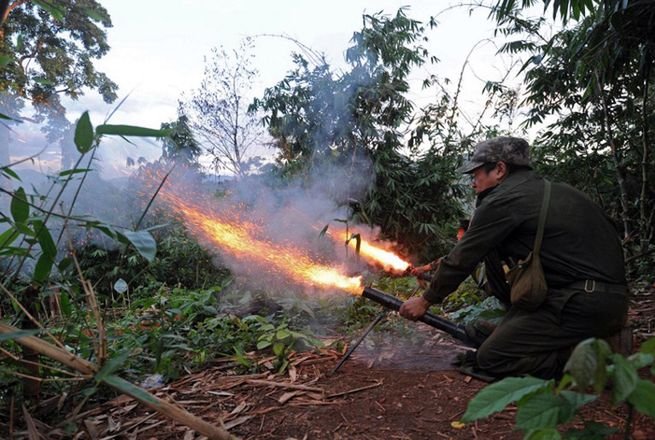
541,410
578,399
53,9
640,360
65,303
5,59
130,130
43,268
44,237
263,344
112,365
543,434
624,378
8,237
18,334
497,396
19,208
84,133
587,364
130,389
282,334
278,349
643,397
144,243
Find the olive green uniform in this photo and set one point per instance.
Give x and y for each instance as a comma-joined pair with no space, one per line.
583,266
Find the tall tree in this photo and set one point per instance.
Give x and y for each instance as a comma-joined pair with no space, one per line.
218,110
47,50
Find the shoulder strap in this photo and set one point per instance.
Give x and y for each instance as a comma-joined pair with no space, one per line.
542,218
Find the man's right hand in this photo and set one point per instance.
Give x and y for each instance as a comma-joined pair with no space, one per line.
420,270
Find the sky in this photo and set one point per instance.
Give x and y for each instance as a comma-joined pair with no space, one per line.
158,49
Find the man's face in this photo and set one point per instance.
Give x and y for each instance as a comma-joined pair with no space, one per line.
482,180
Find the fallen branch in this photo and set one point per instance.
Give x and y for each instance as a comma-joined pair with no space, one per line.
356,390
284,385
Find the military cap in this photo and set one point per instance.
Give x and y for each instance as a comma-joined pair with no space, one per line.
511,150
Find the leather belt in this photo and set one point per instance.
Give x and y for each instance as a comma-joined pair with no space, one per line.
591,286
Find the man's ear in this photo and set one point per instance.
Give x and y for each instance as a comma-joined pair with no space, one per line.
502,169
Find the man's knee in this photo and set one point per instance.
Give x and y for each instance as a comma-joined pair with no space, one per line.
487,357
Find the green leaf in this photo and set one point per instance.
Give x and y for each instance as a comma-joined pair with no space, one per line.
43,268
84,133
8,171
497,396
112,365
9,118
263,344
5,59
19,208
96,15
282,334
624,378
74,171
541,410
8,237
640,360
587,363
144,243
65,303
278,349
130,389
56,11
44,237
578,399
43,81
130,130
543,434
18,334
643,397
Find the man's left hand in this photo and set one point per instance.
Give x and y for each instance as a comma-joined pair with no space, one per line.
414,308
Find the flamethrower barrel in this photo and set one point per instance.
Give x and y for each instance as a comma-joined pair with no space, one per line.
455,330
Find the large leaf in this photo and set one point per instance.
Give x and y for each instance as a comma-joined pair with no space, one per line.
52,8
497,396
542,410
44,237
43,268
143,242
643,397
84,133
578,399
587,363
648,347
130,130
8,237
19,208
130,389
112,365
624,378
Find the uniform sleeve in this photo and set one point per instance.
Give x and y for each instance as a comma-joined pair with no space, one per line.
492,223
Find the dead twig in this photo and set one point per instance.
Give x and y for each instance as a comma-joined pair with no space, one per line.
291,386
356,390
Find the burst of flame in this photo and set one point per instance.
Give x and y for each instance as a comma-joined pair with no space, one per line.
372,253
236,238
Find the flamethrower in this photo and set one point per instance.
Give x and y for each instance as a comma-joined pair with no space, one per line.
391,302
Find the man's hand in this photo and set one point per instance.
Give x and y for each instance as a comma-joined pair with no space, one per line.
414,308
421,269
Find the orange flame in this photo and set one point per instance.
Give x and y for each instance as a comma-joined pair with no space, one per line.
373,254
236,238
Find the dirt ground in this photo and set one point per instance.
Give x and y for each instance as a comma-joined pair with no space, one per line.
399,386
382,392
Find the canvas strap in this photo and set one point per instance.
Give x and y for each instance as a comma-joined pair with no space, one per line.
542,218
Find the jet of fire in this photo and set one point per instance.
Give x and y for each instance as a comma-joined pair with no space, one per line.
237,239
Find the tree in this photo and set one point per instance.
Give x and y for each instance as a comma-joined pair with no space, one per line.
47,49
218,111
180,145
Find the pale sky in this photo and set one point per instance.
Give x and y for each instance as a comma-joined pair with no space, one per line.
158,46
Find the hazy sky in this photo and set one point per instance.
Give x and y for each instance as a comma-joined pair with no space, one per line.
158,46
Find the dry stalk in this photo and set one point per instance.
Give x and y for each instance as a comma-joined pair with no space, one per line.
101,354
37,364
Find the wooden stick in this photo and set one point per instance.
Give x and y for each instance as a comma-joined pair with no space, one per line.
356,390
291,386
